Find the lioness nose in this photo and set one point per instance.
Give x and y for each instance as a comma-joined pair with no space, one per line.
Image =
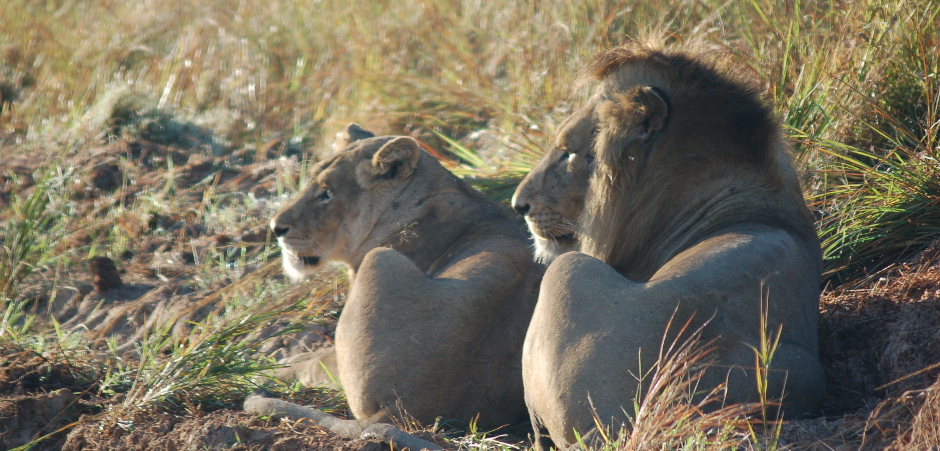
280,231
521,209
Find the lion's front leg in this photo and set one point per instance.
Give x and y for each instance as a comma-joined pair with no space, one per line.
585,344
594,332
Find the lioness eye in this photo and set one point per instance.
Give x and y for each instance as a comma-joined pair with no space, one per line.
325,195
564,156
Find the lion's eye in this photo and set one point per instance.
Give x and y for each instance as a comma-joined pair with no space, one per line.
564,156
589,157
325,196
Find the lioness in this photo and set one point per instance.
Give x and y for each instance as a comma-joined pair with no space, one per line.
443,285
551,196
693,211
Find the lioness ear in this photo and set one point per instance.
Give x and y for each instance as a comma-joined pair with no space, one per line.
398,158
352,133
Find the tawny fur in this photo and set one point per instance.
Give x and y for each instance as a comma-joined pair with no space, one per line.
443,285
693,210
551,196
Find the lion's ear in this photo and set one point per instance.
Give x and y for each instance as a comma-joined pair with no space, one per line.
634,114
628,118
397,158
352,134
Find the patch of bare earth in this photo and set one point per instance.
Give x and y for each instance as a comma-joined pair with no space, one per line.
41,395
55,399
880,345
125,297
222,429
25,418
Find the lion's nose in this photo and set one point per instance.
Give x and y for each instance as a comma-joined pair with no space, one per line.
280,231
521,209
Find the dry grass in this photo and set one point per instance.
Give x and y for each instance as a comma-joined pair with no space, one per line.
674,413
906,422
206,113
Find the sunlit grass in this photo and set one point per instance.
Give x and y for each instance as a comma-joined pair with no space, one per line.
216,363
481,84
26,246
671,411
883,195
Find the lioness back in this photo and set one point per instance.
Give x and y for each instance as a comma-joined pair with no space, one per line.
443,283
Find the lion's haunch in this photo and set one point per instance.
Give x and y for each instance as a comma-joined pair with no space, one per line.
693,212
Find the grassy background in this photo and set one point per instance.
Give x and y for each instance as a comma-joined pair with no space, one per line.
252,81
855,82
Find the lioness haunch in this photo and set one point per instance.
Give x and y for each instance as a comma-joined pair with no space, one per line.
693,212
443,286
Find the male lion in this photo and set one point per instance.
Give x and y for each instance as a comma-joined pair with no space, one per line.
442,287
551,196
694,211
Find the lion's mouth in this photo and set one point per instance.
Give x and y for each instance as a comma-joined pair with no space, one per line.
562,237
562,234
551,226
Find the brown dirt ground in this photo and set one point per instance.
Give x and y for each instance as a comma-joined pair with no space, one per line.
223,429
880,346
879,339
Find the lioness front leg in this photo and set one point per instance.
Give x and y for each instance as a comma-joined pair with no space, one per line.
314,368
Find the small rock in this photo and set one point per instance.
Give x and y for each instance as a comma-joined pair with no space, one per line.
104,274
255,235
127,255
186,229
106,177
